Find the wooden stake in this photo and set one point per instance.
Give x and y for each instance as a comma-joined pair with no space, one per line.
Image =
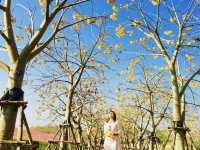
20,128
27,129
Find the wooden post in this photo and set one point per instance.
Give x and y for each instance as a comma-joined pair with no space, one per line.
20,128
27,129
61,145
21,105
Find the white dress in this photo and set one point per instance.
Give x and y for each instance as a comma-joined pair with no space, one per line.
112,143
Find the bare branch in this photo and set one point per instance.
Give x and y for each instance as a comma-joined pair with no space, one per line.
74,4
155,35
30,14
69,25
178,44
39,34
161,47
11,45
45,44
2,8
4,36
4,67
188,82
175,13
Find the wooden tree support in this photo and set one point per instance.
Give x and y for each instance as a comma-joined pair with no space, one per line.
19,142
179,129
54,144
186,131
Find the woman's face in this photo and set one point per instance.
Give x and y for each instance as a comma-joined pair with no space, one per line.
111,115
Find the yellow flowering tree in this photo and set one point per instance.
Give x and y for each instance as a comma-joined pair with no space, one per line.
24,38
166,34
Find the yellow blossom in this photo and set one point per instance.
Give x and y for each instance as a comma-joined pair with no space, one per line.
173,19
193,84
27,29
155,2
125,5
76,26
131,77
82,53
113,16
189,69
150,36
118,46
101,45
43,3
91,20
135,61
62,22
77,16
108,50
136,23
120,31
115,8
189,57
111,1
143,41
18,37
188,29
168,32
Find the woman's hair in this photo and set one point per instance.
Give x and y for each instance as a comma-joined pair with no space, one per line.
114,115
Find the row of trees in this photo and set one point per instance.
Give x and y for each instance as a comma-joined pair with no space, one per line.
75,53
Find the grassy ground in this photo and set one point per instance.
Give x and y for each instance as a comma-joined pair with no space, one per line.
42,146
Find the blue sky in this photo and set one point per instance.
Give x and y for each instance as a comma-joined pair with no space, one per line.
99,7
23,19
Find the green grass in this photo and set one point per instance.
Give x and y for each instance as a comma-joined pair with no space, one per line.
197,145
42,146
45,129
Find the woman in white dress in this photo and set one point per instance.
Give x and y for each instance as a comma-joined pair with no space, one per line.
111,131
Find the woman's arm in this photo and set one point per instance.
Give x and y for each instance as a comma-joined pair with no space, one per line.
116,130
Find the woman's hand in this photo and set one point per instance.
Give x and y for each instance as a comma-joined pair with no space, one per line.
109,134
116,134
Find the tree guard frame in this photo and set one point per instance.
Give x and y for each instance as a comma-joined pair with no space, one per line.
19,142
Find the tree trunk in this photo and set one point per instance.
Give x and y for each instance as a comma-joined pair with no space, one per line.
9,113
177,114
152,141
180,140
64,136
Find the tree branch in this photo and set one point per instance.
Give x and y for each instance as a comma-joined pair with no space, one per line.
4,36
69,25
2,8
161,47
187,83
11,45
28,50
178,44
45,44
39,34
74,4
4,67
